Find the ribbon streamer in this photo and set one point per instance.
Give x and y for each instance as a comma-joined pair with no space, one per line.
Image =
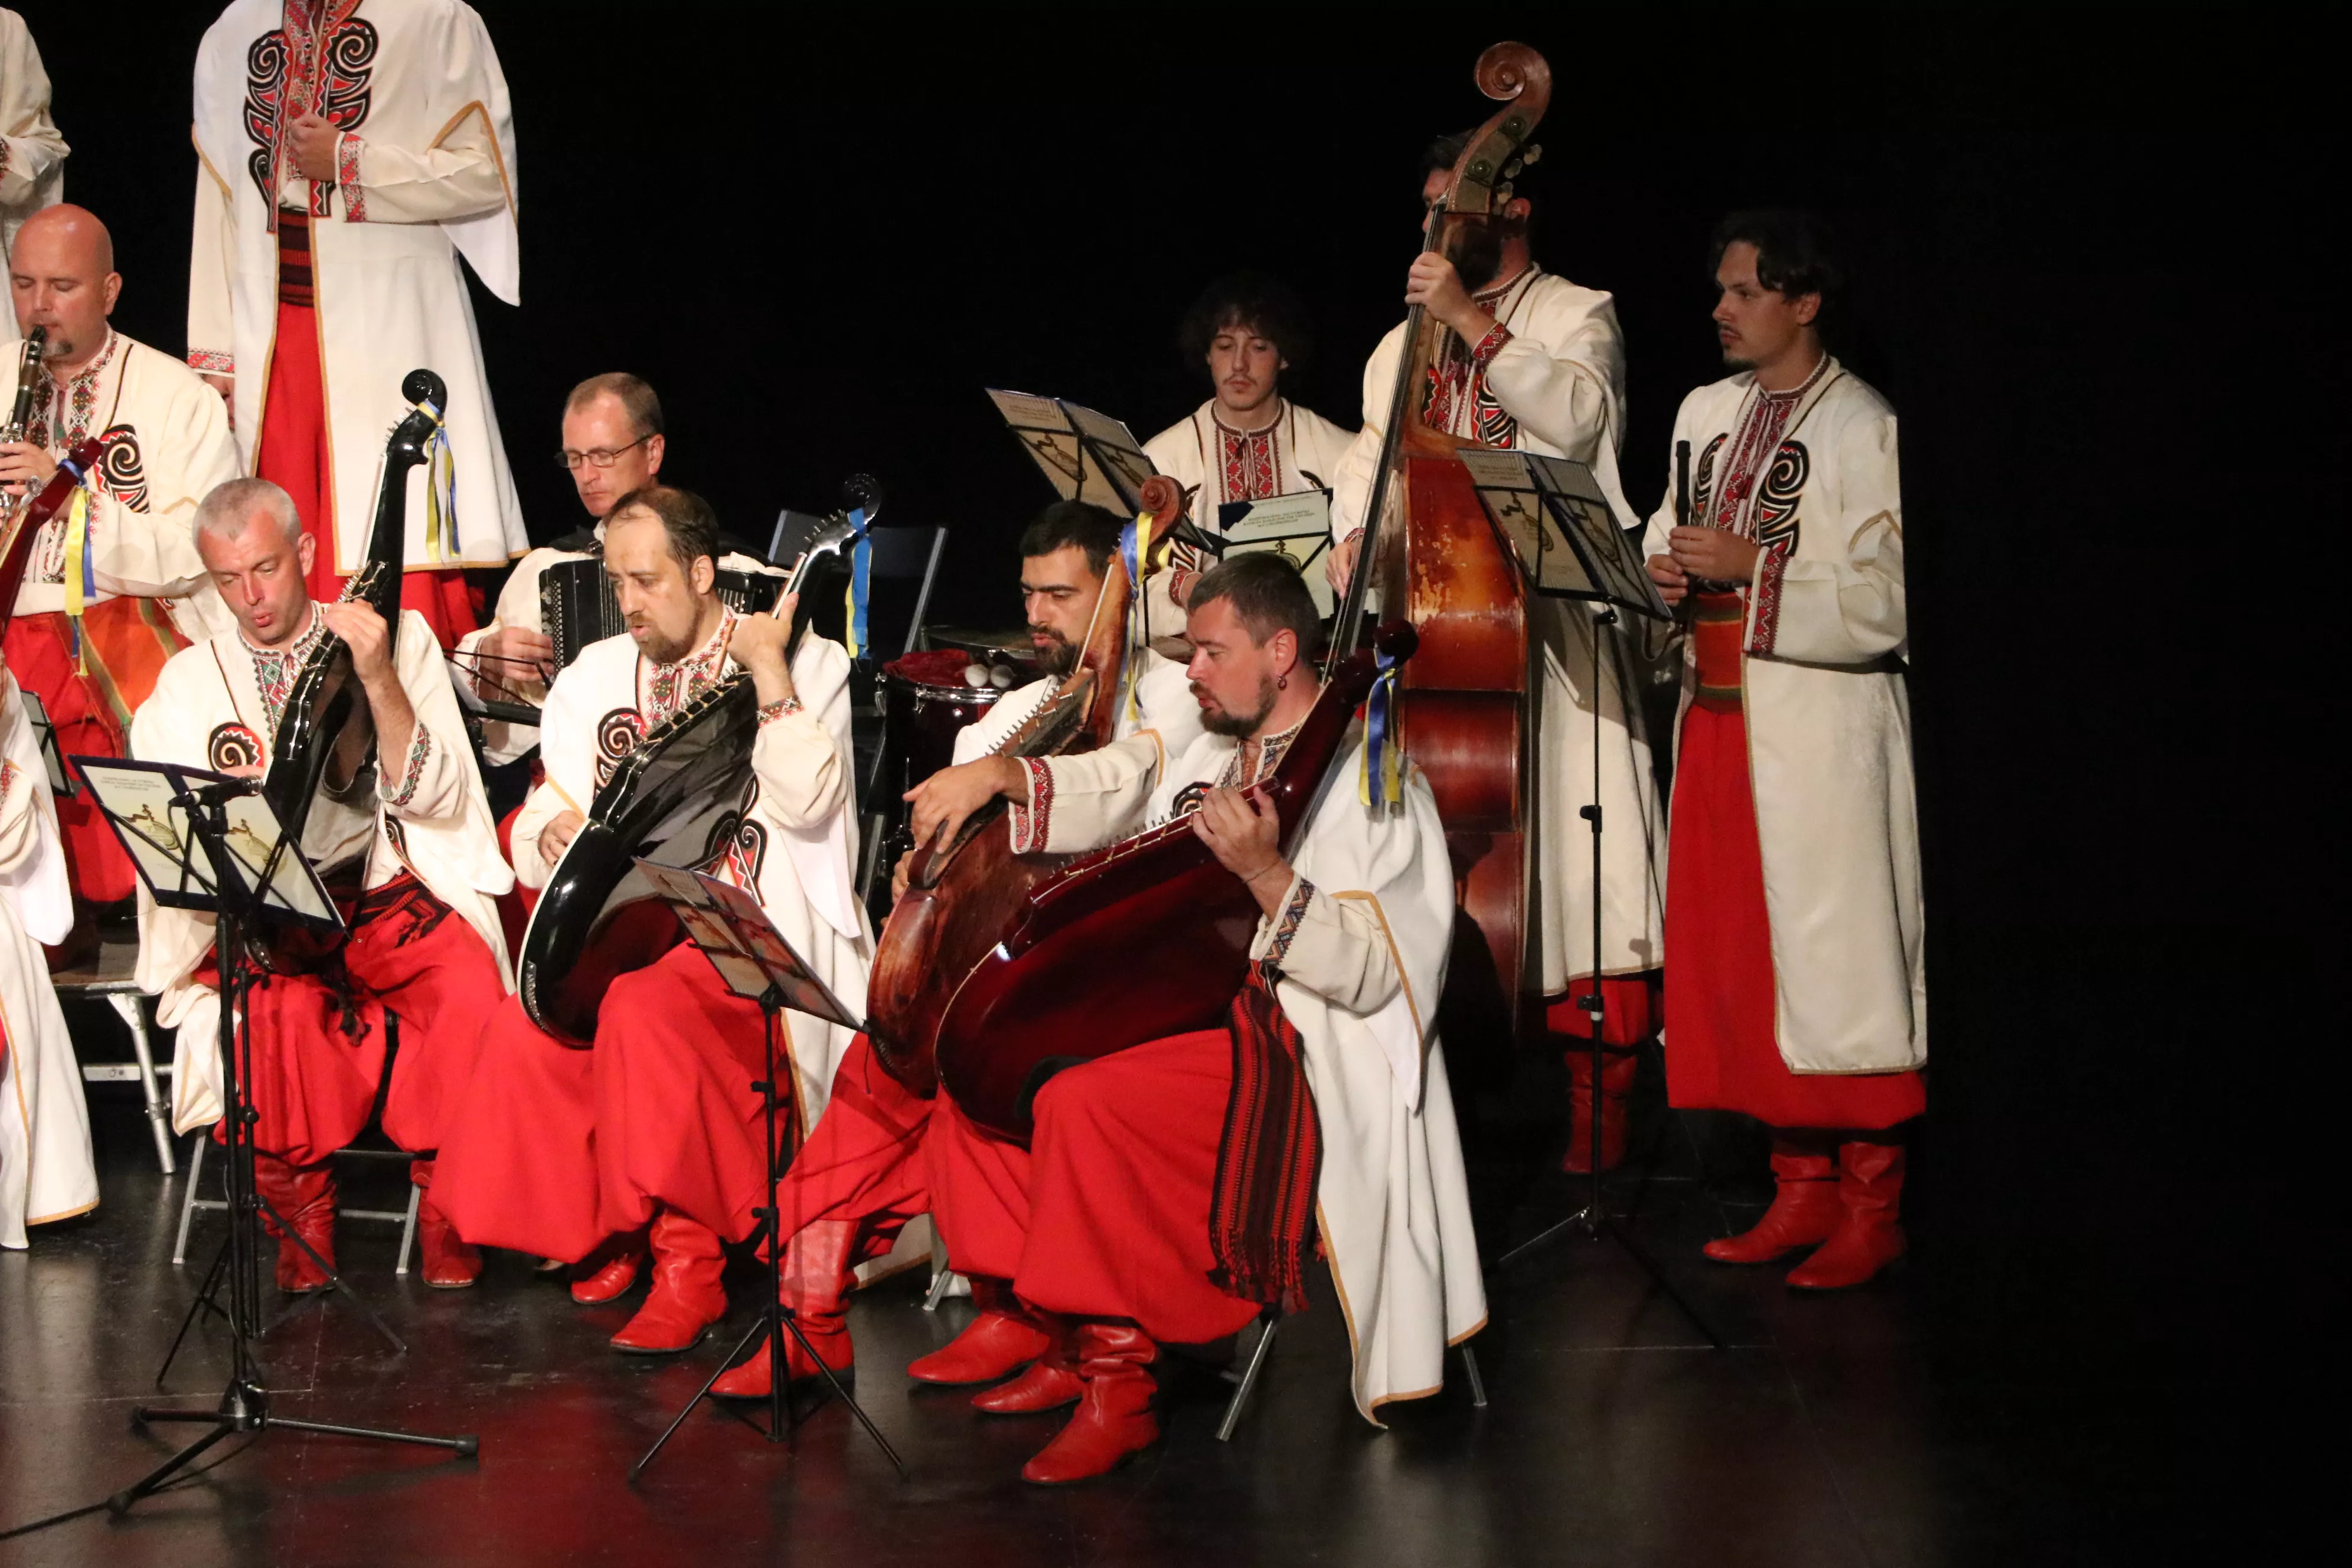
441,542
1381,779
857,598
80,574
1134,550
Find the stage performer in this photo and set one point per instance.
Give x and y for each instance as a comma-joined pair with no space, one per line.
1534,362
349,152
614,443
91,648
654,1138
1248,442
32,154
47,1172
425,943
859,1178
1794,979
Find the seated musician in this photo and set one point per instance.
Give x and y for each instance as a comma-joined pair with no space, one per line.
859,1178
319,1040
612,444
1248,442
1530,361
654,1139
90,649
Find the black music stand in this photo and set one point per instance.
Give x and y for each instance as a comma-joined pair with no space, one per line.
164,814
728,924
1552,515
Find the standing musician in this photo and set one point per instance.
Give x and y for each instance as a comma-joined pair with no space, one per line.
90,648
654,1139
1530,361
860,1177
32,154
317,1039
1795,977
1248,442
614,443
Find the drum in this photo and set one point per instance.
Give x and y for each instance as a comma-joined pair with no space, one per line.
926,702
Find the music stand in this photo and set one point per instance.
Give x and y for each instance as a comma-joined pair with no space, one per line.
170,817
1552,515
755,961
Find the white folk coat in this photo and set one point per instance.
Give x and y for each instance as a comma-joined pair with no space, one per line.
167,444
47,1172
1558,387
1299,451
791,838
426,172
1362,967
32,154
430,816
1165,714
1829,724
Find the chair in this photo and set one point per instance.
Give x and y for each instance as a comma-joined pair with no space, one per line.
108,976
405,1219
1268,1321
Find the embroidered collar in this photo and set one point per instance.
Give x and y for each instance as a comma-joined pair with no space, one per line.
1802,387
274,668
1281,407
79,398
1270,751
672,686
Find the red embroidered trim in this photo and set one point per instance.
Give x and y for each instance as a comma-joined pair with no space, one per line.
1251,468
1286,930
7,769
1031,822
347,178
772,711
1767,600
1490,345
207,361
419,748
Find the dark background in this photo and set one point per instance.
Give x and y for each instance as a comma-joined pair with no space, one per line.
2080,257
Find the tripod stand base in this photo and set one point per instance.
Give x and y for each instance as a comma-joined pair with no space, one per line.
244,1408
1593,1223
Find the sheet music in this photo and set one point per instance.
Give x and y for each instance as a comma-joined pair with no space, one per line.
1085,455
731,929
1297,526
44,736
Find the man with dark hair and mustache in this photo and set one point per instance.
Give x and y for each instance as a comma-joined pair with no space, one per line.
1529,361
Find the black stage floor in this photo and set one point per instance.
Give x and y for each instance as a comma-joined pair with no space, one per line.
1871,1428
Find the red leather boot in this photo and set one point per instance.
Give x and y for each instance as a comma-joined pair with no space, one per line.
818,1273
303,1196
1051,1382
1804,1206
1114,1421
1003,1339
449,1262
607,1273
1869,1235
686,1297
1616,1084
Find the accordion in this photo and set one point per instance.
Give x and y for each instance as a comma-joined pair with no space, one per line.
577,605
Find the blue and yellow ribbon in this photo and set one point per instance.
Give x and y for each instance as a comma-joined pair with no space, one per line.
1381,779
441,540
81,573
857,599
1134,550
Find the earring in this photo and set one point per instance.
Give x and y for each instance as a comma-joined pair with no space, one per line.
1282,683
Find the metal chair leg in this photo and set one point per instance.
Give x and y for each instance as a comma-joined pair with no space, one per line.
1267,1324
1477,1383
408,1227
133,1009
188,1198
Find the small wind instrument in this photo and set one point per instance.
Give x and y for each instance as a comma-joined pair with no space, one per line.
29,372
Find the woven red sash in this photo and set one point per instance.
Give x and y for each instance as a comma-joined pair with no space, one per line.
1261,1217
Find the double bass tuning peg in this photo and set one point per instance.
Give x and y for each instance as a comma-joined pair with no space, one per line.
1530,154
1511,170
1503,193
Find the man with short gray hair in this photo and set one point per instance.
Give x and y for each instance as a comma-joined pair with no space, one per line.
414,850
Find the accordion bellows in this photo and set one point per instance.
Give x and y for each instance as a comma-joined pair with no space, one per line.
577,605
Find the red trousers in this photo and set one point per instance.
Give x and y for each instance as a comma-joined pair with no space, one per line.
864,1159
677,1122
312,1080
1105,1214
127,642
297,453
1725,1053
519,1165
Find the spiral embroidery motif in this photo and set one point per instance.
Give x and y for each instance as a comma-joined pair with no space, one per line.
1703,482
293,70
617,734
232,748
1776,498
121,469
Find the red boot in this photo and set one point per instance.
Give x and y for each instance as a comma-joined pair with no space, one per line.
1051,1382
303,1196
1869,1236
1114,1420
686,1297
818,1273
607,1273
1003,1339
1804,1206
1616,1084
449,1262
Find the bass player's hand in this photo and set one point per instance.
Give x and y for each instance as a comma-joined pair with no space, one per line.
1244,831
557,834
943,802
1339,565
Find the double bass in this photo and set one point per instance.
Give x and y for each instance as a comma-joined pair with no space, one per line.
961,894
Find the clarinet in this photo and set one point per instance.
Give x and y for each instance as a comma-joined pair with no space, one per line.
28,370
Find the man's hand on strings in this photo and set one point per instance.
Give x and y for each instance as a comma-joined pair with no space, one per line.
513,657
759,644
943,802
1339,563
1244,831
25,467
557,834
370,640
1671,585
1433,285
311,138
900,874
1717,553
